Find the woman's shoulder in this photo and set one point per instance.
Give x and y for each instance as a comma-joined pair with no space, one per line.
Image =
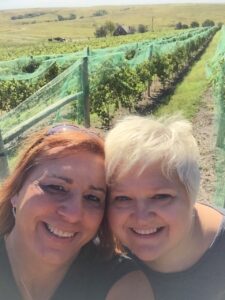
210,209
209,216
211,221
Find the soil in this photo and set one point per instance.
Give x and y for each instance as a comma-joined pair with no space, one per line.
203,129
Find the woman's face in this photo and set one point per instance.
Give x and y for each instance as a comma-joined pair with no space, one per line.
151,215
60,207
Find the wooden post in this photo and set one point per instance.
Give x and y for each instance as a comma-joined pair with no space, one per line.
221,131
88,51
4,168
150,82
85,84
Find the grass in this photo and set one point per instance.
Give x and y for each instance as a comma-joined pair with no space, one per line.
8,52
187,96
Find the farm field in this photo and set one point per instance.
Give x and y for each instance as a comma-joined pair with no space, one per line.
156,17
30,35
9,51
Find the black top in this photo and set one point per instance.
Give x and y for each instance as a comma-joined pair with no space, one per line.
205,280
87,278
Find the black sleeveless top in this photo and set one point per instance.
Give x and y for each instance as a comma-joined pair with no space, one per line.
89,278
205,280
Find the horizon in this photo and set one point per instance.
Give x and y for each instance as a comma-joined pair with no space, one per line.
23,4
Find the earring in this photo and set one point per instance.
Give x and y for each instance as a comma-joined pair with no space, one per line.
14,211
96,240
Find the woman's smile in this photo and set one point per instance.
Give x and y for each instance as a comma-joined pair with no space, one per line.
58,232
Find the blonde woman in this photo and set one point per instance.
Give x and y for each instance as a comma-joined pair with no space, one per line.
153,177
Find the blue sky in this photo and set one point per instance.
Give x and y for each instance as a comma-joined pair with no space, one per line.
11,4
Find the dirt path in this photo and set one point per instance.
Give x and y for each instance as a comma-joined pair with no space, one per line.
203,128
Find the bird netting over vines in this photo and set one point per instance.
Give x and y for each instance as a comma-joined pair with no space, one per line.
49,78
217,73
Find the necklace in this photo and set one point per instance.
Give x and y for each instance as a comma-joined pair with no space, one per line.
27,293
17,276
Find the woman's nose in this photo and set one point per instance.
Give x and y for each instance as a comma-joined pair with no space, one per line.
144,212
71,209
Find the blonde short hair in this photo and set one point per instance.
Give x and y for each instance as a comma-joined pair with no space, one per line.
147,140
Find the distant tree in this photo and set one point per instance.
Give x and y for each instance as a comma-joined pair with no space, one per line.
194,24
132,29
110,27
72,17
142,28
208,23
60,18
100,12
100,32
178,26
29,15
184,26
220,24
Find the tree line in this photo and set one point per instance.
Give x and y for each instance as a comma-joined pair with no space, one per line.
194,24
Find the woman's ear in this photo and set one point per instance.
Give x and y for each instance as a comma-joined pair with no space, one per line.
14,200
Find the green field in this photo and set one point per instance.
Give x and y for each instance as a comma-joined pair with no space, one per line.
161,17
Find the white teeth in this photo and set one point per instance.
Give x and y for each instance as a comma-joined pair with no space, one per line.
59,233
144,231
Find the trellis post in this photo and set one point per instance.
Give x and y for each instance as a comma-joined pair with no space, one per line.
4,168
85,84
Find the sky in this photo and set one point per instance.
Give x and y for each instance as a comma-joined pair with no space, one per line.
12,4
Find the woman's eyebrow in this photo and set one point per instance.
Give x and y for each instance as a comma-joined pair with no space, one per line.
70,181
99,189
66,179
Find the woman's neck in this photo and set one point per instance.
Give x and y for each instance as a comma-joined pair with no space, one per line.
204,227
184,254
35,279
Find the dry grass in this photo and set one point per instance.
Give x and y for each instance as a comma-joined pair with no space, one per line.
164,17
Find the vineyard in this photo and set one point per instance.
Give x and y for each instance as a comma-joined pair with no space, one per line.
117,76
217,75
45,48
93,84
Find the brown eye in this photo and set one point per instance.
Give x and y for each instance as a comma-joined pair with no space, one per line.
122,199
93,200
52,188
162,197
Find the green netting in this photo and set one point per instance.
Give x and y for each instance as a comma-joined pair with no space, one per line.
69,82
217,73
36,67
142,51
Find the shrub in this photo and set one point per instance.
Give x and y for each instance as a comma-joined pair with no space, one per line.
194,24
208,23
